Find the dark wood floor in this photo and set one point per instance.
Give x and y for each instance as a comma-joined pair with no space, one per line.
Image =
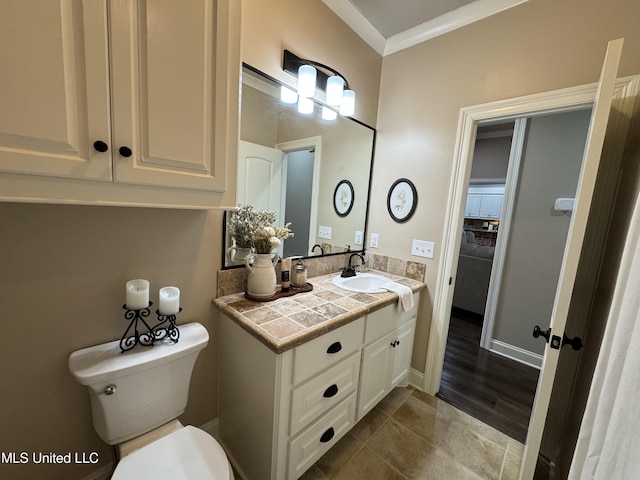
490,387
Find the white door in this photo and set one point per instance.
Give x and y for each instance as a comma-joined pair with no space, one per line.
260,177
586,184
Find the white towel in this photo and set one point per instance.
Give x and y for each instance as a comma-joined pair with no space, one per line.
405,294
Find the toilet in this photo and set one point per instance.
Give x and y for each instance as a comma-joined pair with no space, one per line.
136,398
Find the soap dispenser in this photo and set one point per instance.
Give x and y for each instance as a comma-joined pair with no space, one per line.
299,275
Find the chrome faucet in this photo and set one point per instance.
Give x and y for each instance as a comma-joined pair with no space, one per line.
350,271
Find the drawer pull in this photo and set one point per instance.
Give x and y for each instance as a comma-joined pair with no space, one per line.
334,347
327,436
331,391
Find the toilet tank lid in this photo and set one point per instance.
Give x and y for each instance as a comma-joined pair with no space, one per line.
101,362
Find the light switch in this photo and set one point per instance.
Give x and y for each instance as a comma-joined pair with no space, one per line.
422,248
358,238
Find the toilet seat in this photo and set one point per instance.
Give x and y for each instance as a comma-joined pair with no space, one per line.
186,454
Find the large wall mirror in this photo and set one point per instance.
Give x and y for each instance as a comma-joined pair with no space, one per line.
313,172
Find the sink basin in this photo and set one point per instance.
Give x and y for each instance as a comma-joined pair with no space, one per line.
362,282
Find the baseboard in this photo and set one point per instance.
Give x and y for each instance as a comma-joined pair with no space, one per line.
99,474
516,353
211,427
416,379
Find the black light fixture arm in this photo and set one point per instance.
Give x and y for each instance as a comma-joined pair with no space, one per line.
291,63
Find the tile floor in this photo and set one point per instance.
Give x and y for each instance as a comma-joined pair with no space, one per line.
412,435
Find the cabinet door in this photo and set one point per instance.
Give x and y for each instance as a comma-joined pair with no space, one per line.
167,61
54,88
375,373
402,352
491,206
472,207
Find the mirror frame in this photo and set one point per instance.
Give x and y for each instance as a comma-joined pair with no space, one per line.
225,237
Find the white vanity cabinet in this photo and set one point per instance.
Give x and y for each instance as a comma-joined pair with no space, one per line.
119,101
280,412
386,355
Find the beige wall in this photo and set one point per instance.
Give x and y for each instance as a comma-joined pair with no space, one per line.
63,271
539,46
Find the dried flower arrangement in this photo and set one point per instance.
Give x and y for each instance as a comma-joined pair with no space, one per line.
251,228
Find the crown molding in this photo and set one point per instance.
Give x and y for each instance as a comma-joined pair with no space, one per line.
358,23
448,22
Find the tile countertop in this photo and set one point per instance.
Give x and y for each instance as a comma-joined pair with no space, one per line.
287,322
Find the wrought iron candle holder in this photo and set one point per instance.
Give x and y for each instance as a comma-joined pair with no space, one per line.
169,334
132,335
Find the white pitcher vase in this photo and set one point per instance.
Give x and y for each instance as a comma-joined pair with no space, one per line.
261,282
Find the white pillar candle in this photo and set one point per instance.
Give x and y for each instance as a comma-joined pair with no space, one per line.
169,301
137,294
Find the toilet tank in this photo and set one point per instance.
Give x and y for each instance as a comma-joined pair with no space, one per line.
149,385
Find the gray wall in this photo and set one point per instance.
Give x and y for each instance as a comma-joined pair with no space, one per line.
550,169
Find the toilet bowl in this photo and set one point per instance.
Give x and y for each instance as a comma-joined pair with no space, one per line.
136,398
185,454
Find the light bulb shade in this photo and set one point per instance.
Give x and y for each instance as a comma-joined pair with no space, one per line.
335,87
306,81
328,114
287,95
348,103
305,105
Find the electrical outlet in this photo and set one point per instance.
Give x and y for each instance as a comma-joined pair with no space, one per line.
358,239
422,248
324,232
373,240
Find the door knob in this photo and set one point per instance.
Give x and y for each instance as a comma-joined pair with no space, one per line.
575,342
537,332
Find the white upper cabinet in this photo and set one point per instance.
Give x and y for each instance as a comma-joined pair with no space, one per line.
484,202
133,93
54,88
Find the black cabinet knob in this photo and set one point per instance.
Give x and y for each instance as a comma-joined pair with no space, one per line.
334,347
100,146
125,151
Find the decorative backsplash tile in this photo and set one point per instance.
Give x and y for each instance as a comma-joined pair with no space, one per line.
234,280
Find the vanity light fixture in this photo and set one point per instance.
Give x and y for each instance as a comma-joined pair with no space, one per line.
287,95
329,114
305,105
312,75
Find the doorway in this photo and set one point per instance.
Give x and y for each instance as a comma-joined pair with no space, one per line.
513,256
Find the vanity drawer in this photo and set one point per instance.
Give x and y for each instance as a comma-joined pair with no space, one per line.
387,318
313,398
322,352
314,442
